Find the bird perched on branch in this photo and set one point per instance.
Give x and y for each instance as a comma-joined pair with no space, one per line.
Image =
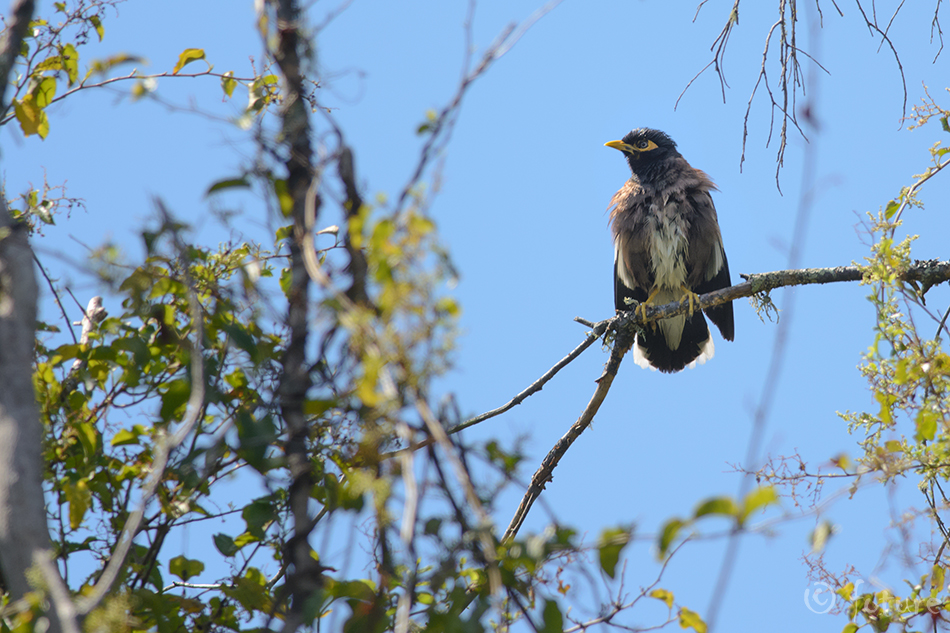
667,247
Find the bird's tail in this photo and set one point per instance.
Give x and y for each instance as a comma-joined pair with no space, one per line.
672,344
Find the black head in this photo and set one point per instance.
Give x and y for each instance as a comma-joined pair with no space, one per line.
645,150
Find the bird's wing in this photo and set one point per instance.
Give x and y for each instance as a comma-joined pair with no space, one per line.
632,274
708,267
625,286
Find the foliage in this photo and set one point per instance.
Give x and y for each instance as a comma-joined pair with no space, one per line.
154,418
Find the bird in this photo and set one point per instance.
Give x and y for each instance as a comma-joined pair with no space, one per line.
667,247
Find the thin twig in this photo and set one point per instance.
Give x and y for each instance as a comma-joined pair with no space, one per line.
622,344
132,75
441,129
530,390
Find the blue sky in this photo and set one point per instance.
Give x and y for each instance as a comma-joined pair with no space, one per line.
524,188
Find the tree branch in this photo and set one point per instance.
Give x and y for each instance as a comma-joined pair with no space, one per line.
302,185
928,273
20,15
544,474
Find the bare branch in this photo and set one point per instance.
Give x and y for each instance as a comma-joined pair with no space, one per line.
82,85
935,24
719,51
544,474
873,27
442,127
928,273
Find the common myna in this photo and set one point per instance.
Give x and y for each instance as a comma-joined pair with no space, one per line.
667,247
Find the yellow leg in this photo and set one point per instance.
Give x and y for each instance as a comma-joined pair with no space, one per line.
690,297
642,308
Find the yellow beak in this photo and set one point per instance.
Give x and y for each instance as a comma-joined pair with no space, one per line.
623,147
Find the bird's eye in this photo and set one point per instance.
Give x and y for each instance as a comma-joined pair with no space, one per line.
643,144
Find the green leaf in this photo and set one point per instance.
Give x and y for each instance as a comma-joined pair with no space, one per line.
668,535
286,277
553,620
228,83
850,627
944,123
228,183
717,505
187,56
225,544
185,568
612,542
174,398
691,620
664,595
757,499
258,515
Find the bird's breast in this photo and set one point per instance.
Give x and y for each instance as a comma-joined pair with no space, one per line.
667,237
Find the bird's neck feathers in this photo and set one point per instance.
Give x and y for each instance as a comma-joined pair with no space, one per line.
659,174
646,167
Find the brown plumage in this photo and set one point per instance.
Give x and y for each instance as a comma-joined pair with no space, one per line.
667,245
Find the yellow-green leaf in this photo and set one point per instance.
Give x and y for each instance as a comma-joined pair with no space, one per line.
926,424
850,627
820,536
54,62
187,56
691,620
128,436
316,407
937,579
71,63
283,197
846,591
757,499
228,83
102,66
97,24
44,91
612,542
668,534
891,209
185,568
663,595
228,183
32,119
79,498
717,505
